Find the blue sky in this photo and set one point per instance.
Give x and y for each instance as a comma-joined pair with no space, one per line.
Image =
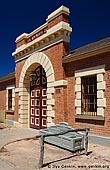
89,19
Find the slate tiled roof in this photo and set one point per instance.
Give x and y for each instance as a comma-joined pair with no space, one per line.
88,48
7,77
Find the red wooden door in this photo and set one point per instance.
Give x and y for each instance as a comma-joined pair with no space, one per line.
38,100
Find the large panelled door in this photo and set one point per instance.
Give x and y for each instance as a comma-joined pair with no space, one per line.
38,98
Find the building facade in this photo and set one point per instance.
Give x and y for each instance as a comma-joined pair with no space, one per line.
54,84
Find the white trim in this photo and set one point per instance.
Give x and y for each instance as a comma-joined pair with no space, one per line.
51,113
54,29
99,77
101,103
40,48
100,111
58,83
90,71
101,85
62,9
78,80
100,94
21,37
62,25
10,87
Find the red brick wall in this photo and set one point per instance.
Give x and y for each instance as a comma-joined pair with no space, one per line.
2,99
97,127
20,43
58,19
19,66
60,105
55,54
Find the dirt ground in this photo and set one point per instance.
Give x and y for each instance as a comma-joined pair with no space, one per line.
24,155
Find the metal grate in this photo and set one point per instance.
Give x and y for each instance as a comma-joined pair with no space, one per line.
89,95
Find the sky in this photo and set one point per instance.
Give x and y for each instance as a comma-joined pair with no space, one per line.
89,19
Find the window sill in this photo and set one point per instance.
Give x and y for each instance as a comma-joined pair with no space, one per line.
86,117
11,112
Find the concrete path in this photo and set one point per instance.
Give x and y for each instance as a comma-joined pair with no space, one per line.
9,135
13,134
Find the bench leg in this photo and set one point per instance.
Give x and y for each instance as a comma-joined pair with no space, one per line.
41,151
86,140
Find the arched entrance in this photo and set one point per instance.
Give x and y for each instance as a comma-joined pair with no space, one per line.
35,60
38,99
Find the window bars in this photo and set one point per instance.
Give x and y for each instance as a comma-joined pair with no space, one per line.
89,95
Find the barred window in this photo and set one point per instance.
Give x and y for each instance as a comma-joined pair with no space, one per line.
10,99
89,95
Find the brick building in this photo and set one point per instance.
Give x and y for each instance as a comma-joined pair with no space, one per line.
54,84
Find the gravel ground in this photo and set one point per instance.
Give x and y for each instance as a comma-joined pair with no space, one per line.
24,155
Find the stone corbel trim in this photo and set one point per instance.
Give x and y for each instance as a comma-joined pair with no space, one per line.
17,90
60,26
58,83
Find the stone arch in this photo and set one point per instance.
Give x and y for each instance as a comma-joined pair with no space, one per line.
35,59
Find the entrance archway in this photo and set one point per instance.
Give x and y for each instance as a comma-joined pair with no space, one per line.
30,64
